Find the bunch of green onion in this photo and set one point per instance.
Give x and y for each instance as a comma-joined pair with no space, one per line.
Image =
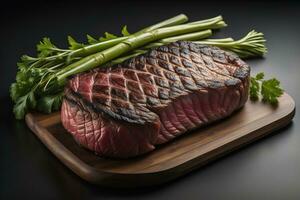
41,79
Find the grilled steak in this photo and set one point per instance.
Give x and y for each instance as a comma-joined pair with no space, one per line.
125,110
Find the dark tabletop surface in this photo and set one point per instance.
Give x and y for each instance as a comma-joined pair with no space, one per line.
267,169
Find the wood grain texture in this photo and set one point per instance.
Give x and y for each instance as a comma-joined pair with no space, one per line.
170,160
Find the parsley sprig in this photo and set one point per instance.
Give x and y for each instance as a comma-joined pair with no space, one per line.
29,92
269,90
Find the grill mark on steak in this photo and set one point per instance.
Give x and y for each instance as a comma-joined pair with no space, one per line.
123,110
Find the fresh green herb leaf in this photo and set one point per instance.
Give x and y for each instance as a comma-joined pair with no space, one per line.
270,89
23,85
14,92
20,107
260,76
73,44
254,89
50,103
91,40
26,62
107,36
45,47
31,100
22,66
23,104
125,31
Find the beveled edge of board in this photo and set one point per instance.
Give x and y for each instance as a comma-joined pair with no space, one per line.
127,180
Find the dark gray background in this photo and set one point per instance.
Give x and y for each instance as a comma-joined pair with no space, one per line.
267,169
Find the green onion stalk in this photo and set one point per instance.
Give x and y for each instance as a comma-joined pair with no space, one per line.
133,42
252,45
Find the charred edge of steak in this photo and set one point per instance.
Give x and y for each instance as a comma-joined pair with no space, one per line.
77,100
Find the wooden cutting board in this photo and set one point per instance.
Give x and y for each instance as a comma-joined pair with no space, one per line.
168,161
